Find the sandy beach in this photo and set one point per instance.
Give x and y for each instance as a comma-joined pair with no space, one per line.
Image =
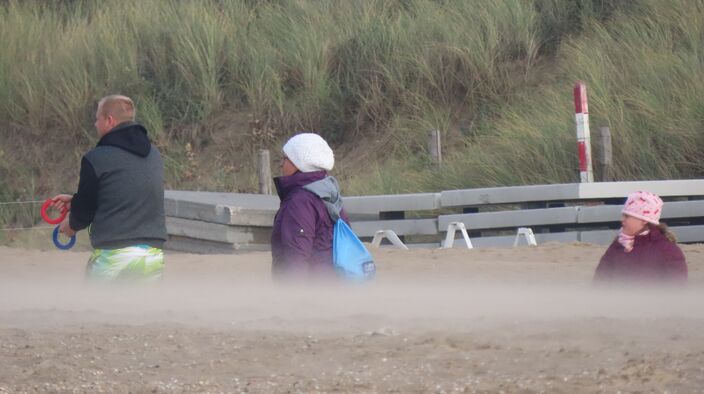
482,320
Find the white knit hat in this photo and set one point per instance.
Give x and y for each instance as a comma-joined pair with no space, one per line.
309,152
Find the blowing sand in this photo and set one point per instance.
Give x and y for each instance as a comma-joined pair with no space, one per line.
484,320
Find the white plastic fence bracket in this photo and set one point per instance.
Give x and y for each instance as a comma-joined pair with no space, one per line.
391,236
450,237
527,234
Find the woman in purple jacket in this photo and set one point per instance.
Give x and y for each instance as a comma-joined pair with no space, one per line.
301,241
645,251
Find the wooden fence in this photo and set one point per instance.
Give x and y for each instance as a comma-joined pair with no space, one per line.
206,222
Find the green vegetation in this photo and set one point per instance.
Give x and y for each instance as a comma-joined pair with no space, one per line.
216,80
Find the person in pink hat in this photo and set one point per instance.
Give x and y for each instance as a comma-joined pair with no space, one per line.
645,250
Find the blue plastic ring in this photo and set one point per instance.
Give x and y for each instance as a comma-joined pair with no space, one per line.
58,243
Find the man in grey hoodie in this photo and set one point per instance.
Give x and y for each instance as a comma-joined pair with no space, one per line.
120,196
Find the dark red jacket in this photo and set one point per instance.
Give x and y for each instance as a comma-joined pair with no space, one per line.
301,240
654,259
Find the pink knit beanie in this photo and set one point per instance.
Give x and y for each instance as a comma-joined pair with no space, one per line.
645,206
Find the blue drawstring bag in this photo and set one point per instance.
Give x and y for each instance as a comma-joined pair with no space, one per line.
349,256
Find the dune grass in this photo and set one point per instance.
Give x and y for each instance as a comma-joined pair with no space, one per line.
372,76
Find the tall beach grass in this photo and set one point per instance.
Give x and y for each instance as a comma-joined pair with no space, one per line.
215,80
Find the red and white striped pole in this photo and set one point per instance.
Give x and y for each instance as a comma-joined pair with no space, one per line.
584,145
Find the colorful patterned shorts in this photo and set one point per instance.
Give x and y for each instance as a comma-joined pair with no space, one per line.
133,263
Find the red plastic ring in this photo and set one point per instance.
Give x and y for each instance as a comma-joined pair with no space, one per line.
46,217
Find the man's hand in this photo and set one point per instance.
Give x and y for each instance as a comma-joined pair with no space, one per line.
65,228
62,201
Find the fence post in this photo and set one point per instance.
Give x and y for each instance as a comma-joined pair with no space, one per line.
264,171
584,148
434,146
606,157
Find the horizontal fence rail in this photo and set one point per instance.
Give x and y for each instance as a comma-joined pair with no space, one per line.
210,222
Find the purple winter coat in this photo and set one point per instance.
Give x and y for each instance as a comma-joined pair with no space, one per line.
301,240
654,259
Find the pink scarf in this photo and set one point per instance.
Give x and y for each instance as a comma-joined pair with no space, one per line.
628,240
